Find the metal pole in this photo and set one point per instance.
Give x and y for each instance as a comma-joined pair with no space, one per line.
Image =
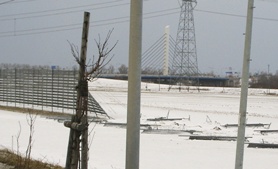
15,87
268,79
244,88
52,88
134,85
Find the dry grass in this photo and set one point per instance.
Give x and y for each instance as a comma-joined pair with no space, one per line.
18,161
45,113
10,158
33,111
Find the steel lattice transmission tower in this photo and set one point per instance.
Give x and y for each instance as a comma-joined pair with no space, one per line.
185,59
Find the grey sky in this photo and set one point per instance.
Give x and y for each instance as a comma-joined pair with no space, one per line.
36,31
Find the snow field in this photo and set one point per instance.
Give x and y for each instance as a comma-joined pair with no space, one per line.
208,110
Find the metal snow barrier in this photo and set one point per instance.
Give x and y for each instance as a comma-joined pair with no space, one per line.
42,89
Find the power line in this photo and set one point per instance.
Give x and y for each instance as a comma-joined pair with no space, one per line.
12,16
76,25
96,8
85,6
62,9
62,13
112,21
2,3
26,1
22,1
235,15
40,13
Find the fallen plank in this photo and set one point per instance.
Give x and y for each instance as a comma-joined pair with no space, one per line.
123,125
192,131
247,125
267,131
167,131
161,131
262,145
165,119
220,138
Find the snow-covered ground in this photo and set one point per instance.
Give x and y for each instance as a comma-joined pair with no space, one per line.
209,110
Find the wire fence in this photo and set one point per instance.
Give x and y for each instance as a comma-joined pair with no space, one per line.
45,89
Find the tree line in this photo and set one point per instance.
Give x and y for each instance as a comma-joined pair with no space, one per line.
264,80
258,80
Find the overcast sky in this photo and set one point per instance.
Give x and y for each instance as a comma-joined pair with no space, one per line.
36,31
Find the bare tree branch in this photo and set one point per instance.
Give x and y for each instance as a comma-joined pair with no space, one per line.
94,69
30,121
103,57
75,52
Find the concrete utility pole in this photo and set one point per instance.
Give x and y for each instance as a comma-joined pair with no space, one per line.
79,123
134,85
244,87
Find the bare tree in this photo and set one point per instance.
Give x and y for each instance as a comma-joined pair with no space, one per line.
111,69
93,69
78,141
123,69
31,121
23,162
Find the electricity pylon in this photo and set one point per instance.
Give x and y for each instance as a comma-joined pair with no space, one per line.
185,63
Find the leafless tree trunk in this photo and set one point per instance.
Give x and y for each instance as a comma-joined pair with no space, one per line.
79,125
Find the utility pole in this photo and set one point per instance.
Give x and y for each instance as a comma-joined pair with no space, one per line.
79,123
244,87
268,79
134,85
